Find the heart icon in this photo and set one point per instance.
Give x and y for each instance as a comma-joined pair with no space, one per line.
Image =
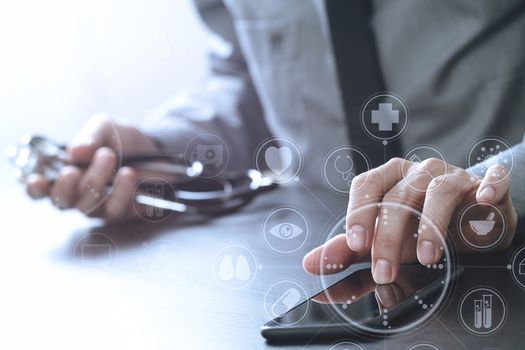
278,158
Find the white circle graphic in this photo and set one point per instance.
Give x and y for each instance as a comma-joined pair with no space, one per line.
489,151
340,167
283,296
482,232
430,308
384,110
235,267
285,230
280,158
482,311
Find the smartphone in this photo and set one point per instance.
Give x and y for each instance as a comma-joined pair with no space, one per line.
356,306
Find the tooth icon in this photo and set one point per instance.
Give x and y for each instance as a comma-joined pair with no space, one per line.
226,268
242,269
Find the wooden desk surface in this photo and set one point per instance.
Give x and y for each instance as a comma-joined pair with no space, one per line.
146,296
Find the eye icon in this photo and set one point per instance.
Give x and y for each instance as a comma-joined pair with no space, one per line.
286,230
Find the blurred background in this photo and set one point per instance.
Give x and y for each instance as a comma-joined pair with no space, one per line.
63,60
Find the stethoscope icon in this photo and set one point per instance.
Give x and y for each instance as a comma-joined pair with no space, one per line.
348,174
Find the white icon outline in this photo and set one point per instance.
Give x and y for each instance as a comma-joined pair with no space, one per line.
336,228
266,230
347,175
519,275
473,164
494,210
246,277
482,309
364,117
278,143
345,343
412,155
293,288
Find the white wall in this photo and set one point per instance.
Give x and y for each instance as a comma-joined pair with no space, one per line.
62,60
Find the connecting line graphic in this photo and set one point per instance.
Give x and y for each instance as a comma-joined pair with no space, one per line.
318,332
317,199
451,333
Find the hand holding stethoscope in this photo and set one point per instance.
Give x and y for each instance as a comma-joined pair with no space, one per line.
191,194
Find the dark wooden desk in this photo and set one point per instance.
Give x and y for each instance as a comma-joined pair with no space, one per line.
144,297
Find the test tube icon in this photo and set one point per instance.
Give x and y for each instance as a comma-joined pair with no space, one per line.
483,311
156,191
487,310
478,313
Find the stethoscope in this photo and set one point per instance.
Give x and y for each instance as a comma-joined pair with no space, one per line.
347,174
192,193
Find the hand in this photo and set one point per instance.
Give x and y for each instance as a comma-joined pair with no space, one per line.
440,191
84,187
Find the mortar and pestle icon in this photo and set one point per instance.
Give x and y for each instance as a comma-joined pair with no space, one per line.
483,227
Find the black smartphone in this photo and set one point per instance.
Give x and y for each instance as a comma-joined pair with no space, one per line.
356,306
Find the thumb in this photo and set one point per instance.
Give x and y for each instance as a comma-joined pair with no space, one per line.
495,185
96,133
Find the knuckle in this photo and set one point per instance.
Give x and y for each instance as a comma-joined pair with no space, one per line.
450,183
395,162
370,180
431,163
401,194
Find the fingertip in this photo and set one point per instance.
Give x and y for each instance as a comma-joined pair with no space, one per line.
427,253
81,153
356,238
37,186
486,194
311,261
383,272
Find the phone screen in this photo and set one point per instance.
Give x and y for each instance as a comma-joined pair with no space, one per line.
357,302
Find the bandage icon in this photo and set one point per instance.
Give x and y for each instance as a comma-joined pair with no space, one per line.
289,298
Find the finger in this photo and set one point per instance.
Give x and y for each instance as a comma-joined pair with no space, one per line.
92,186
64,191
388,295
348,290
119,202
395,220
443,197
97,132
332,257
37,186
368,188
494,186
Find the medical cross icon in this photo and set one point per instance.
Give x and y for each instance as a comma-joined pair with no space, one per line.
385,117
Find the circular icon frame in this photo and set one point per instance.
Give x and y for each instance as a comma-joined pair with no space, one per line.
199,148
96,247
223,282
376,97
334,346
266,230
473,164
477,246
409,155
298,299
482,307
153,215
349,172
446,282
513,266
278,143
423,345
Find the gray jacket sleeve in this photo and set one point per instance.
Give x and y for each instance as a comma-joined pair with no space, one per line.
223,108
